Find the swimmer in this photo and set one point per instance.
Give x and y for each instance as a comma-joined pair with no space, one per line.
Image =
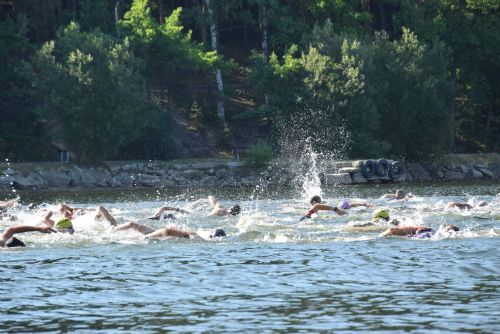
345,204
217,209
317,206
4,205
465,206
64,224
399,195
382,216
13,203
9,233
419,232
151,233
379,217
103,213
74,211
158,213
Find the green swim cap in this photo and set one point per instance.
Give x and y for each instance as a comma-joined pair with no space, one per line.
64,223
380,214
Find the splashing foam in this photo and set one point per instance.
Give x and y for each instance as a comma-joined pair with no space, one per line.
309,144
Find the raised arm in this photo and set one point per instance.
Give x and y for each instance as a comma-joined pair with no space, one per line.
104,213
213,202
158,213
47,221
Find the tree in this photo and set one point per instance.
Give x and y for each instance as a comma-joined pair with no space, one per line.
91,93
21,135
170,54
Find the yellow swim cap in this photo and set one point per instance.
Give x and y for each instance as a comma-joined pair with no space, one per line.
380,214
64,223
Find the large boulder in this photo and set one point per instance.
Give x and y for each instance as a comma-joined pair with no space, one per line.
9,171
474,174
450,175
31,182
417,172
192,174
6,182
486,172
146,180
55,178
89,178
496,170
122,180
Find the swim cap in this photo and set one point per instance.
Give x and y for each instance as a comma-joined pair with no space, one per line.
15,242
235,210
344,205
217,233
381,214
64,223
400,193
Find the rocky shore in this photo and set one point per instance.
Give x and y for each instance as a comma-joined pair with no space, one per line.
33,176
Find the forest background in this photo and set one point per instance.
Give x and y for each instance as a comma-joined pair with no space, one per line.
157,79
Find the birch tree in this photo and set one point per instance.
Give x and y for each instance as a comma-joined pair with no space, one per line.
218,72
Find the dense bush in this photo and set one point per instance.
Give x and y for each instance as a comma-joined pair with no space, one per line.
259,154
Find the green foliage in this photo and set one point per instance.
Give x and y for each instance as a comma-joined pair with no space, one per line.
259,154
391,96
397,77
170,53
89,86
21,135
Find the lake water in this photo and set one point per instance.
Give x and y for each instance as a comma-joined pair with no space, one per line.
270,274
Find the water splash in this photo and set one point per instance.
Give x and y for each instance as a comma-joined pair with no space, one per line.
309,144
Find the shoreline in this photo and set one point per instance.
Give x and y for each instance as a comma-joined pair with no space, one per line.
210,173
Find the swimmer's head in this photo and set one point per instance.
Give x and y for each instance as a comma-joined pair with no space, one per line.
400,194
452,228
381,214
15,242
344,205
315,200
235,210
169,216
482,203
217,233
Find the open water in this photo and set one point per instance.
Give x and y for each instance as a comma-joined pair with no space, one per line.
271,274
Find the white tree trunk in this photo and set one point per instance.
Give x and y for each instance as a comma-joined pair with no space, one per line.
218,74
117,4
265,48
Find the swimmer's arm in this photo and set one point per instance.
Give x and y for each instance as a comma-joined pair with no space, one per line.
367,205
170,208
158,213
134,226
318,207
213,202
168,232
9,232
47,221
218,212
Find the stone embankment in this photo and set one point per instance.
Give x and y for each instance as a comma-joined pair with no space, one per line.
33,176
384,171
